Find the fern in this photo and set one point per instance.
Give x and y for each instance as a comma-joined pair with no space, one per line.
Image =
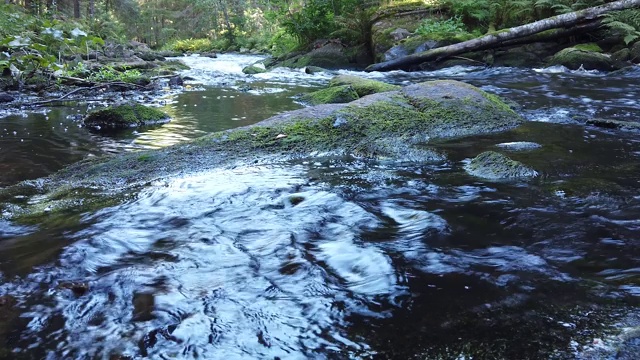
625,23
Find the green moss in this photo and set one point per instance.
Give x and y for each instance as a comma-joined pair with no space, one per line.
574,58
362,86
253,69
592,47
331,95
124,116
493,165
328,59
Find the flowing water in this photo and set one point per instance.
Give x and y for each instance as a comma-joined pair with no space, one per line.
337,257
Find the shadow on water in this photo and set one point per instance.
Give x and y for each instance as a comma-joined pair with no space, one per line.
341,257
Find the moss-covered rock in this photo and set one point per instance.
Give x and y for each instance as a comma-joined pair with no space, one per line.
592,47
329,56
362,86
496,166
332,95
124,116
314,70
635,53
582,187
574,59
621,55
394,125
253,69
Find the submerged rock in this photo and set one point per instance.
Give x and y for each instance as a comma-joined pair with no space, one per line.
493,165
332,95
4,98
124,116
614,124
519,145
314,70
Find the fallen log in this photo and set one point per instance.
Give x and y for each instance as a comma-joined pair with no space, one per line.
499,38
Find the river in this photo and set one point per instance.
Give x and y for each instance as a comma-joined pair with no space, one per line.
336,258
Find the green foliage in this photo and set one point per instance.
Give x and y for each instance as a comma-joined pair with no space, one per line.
493,14
282,43
354,23
190,45
442,26
313,21
109,74
625,23
565,6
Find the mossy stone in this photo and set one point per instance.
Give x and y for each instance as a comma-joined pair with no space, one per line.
331,95
635,53
124,116
362,86
592,47
621,55
330,56
496,166
574,59
253,69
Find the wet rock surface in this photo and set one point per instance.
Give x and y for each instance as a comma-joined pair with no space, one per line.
5,98
496,166
574,59
124,116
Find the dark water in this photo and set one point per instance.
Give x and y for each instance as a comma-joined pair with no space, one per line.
340,257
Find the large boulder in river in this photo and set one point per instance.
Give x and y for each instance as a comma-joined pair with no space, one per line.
124,116
393,125
495,166
574,58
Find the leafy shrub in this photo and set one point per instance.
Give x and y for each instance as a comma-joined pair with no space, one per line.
282,43
441,26
625,23
313,21
109,74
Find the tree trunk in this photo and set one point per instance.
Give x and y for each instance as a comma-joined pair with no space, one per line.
499,38
227,21
76,9
556,34
92,9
